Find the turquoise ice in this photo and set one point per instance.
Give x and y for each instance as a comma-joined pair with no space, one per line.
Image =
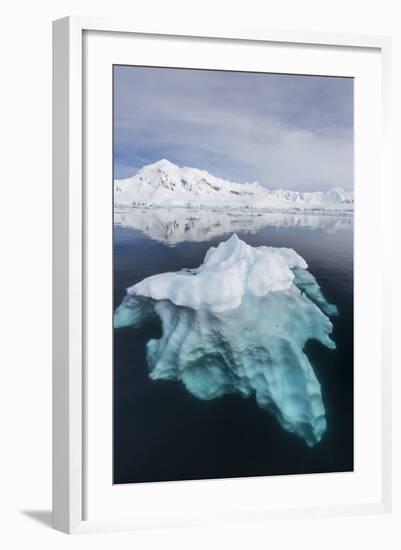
250,341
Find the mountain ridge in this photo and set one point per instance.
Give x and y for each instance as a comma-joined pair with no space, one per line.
164,184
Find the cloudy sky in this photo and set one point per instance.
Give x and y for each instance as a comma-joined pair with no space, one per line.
290,132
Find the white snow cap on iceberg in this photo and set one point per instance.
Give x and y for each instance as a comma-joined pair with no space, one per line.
229,271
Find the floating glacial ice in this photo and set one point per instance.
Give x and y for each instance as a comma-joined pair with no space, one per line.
239,324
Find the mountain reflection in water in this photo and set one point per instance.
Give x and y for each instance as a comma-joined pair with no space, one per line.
174,225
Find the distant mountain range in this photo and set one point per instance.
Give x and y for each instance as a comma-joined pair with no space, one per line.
163,184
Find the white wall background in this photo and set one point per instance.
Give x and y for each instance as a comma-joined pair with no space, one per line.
25,398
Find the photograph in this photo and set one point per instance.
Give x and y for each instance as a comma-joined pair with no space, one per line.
233,270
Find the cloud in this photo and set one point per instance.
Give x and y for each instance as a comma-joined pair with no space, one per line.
294,132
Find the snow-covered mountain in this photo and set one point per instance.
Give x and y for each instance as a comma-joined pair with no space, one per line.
164,184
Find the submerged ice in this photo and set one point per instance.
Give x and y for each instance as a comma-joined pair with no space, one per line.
239,324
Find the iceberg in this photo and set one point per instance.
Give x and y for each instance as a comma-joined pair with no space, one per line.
239,324
229,271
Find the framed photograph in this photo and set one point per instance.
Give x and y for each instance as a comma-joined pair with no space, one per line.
221,305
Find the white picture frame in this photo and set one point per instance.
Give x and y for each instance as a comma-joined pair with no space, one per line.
70,468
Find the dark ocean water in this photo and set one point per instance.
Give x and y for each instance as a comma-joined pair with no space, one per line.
162,432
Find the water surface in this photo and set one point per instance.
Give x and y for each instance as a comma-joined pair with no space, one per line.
161,431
